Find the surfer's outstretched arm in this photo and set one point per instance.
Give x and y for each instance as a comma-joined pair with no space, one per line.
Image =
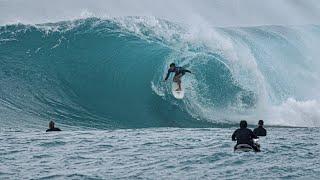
186,70
168,74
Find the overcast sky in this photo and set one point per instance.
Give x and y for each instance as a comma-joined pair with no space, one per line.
214,12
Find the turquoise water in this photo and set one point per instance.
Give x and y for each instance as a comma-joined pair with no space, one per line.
100,80
158,153
91,70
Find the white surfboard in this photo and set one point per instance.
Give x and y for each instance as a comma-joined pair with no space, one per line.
177,94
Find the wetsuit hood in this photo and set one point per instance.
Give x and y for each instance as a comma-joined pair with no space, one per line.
243,124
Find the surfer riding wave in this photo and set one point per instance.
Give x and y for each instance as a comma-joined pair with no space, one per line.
179,72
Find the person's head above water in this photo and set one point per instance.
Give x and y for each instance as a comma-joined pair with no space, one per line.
52,128
51,125
243,124
260,123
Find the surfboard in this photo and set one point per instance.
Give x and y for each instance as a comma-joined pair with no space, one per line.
177,94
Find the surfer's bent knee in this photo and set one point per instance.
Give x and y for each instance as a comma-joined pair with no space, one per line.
176,79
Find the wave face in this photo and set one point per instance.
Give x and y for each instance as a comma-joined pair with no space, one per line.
107,73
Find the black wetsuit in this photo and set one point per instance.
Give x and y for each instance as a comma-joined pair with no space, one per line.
53,129
260,131
244,136
177,71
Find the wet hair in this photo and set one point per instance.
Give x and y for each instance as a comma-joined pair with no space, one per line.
243,124
51,124
172,65
260,122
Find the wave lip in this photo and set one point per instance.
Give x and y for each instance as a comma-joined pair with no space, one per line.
108,73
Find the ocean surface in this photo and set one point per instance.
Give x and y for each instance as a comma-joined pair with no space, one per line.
158,153
100,80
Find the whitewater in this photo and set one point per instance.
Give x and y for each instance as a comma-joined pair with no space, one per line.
93,69
101,80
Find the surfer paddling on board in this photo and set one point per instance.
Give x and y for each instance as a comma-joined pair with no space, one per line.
179,72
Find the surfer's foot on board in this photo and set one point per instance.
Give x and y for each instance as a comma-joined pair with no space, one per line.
179,89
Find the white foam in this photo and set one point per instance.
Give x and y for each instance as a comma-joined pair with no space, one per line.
159,90
296,113
217,12
240,60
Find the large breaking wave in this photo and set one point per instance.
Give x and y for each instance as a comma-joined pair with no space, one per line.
108,73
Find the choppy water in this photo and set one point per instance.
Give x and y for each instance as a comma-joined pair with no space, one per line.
158,153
